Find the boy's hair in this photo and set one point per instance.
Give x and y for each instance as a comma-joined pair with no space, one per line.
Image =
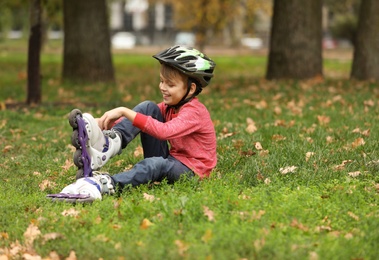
170,72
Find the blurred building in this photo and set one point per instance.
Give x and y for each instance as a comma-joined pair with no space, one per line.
151,24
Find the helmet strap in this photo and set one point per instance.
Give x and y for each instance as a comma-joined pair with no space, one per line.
185,99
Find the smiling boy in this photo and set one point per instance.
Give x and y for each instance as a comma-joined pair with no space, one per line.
177,135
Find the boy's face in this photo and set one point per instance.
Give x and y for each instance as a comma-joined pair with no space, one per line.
173,89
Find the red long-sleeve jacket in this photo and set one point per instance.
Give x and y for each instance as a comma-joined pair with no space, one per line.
190,133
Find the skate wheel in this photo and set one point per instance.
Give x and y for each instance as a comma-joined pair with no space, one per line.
75,139
72,117
78,161
79,174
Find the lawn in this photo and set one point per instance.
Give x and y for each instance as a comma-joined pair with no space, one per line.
297,174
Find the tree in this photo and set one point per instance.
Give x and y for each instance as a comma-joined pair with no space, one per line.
208,18
34,50
87,51
295,43
366,52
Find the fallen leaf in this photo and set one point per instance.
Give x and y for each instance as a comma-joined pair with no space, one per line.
31,233
323,120
148,197
354,174
351,214
277,137
251,128
71,212
52,236
296,224
208,213
138,151
182,247
257,215
258,146
72,256
67,165
308,155
342,165
207,236
263,153
145,224
287,169
358,142
46,184
7,148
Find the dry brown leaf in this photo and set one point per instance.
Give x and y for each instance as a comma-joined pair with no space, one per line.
369,103
323,120
261,104
71,212
263,153
277,137
296,224
342,165
148,197
53,255
72,256
7,148
208,213
46,184
138,151
52,236
308,155
4,235
257,215
287,169
358,142
68,164
258,146
313,255
145,224
351,214
182,247
354,174
31,233
366,132
277,110
251,128
207,236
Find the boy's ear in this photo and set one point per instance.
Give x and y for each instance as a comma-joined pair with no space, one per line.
192,89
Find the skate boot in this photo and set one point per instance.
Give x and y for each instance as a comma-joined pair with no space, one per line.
87,189
93,148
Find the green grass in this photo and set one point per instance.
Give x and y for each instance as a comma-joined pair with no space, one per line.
248,209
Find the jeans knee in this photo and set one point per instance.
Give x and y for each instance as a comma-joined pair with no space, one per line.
145,106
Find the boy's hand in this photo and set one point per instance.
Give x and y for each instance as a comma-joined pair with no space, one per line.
110,117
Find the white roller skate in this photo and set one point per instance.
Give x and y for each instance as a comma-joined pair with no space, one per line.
87,189
93,148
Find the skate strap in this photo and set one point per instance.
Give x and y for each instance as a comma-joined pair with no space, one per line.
93,183
106,145
68,196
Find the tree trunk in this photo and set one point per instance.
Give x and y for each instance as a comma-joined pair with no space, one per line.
295,43
34,51
366,52
87,51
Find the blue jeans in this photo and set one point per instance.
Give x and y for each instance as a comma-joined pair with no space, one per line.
157,164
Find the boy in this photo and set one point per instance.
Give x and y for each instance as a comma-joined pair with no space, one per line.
181,120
